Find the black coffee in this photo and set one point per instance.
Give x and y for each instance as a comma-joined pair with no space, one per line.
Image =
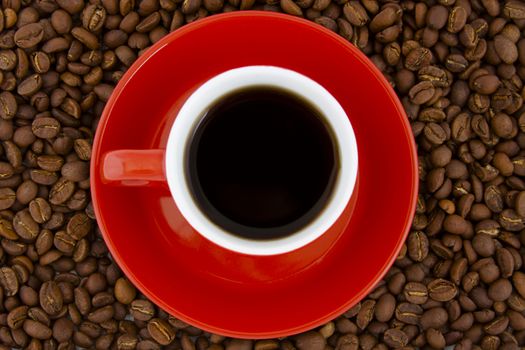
262,163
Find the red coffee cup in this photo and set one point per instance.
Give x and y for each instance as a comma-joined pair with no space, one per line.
194,269
146,167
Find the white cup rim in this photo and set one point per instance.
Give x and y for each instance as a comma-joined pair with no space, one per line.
192,112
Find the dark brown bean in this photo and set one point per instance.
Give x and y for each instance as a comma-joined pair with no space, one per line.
441,290
124,291
29,35
162,332
51,299
37,330
25,226
8,105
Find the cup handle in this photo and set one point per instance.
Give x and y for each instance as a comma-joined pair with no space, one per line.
134,167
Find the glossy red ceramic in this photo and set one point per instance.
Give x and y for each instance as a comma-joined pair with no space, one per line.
214,288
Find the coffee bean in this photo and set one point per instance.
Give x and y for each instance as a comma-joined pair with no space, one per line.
422,93
484,245
61,191
437,17
142,310
29,35
75,171
79,226
497,326
418,58
518,279
37,330
83,149
416,293
93,17
505,262
46,127
500,290
102,314
63,329
506,49
30,85
64,242
51,299
441,290
25,226
8,105
7,198
486,84
395,338
457,19
435,133
355,13
17,316
162,332
418,246
408,313
82,300
456,63
384,19
456,224
85,37
435,338
434,318
7,231
366,313
8,60
124,291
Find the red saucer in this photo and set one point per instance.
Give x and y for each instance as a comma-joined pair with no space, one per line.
218,290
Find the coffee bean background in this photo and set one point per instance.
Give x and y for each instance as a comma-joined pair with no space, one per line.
458,66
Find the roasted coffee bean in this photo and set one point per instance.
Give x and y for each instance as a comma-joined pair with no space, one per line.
457,19
82,300
7,198
395,338
8,105
408,313
85,37
79,226
161,331
366,313
442,290
385,307
418,58
7,230
418,246
29,35
435,338
25,226
142,310
124,291
37,330
416,293
51,299
61,191
355,13
496,326
75,171
17,316
434,318
505,49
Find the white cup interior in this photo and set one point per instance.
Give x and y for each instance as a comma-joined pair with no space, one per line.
194,110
